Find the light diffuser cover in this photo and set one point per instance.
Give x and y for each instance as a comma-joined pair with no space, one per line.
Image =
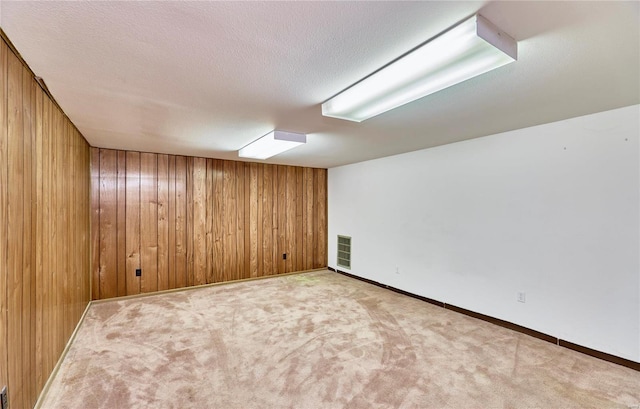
271,144
467,50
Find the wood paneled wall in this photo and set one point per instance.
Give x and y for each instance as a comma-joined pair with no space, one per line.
187,221
44,231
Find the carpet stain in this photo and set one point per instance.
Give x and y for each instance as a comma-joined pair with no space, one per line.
112,335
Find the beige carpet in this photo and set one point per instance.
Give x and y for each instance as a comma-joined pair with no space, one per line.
318,340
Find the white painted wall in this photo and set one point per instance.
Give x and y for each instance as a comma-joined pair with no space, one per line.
551,210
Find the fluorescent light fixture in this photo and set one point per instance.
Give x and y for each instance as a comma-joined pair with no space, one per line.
468,49
271,144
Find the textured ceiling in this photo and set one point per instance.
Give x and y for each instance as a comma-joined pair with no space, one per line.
206,78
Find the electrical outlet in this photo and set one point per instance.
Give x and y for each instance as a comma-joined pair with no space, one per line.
284,256
4,400
138,272
397,270
522,296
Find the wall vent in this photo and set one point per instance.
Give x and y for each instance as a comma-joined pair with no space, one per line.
344,251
